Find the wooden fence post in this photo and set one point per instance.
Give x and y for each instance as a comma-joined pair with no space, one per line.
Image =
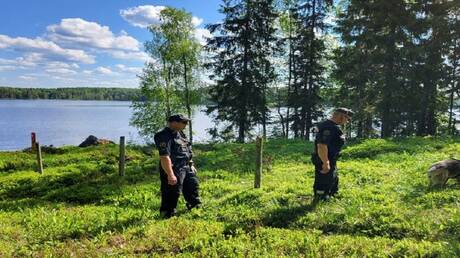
121,163
33,140
39,157
259,153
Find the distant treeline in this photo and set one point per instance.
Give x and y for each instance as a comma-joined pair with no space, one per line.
83,93
70,93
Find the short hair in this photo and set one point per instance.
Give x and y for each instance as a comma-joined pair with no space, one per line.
345,111
178,118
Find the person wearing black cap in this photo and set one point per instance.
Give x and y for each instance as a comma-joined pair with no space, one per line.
177,173
328,142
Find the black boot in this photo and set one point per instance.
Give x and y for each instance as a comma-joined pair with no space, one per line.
167,214
193,206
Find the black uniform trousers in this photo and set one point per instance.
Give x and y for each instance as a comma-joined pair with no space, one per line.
325,184
187,183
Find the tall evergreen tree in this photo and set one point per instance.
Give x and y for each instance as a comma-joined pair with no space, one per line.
308,69
374,59
240,62
453,61
288,28
431,37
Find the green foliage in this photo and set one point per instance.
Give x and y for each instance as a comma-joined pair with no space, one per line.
242,70
176,49
81,207
397,65
151,112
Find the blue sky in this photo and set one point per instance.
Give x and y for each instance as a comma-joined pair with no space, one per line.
56,43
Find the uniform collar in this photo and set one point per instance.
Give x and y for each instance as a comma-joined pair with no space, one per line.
171,131
332,122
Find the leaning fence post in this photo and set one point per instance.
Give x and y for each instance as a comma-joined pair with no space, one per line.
39,157
121,163
259,153
33,140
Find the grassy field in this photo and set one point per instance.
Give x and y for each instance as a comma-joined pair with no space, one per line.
80,207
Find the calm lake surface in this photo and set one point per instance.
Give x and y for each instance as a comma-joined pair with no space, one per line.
69,122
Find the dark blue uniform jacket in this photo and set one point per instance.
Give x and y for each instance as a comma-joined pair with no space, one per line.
330,134
175,145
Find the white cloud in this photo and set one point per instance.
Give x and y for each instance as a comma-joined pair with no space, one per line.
126,55
142,16
103,70
57,65
29,59
58,58
27,78
34,60
7,61
7,68
202,34
61,71
43,48
79,32
124,68
146,15
197,21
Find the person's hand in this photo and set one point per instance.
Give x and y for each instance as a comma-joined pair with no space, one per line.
326,167
193,169
172,180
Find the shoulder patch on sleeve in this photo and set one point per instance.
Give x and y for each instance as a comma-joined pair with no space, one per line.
162,144
326,132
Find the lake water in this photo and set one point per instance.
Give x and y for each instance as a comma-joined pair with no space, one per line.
69,122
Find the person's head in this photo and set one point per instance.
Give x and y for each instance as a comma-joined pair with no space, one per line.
342,116
178,122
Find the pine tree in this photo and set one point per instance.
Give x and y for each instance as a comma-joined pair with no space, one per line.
240,63
431,36
288,29
374,59
309,52
453,63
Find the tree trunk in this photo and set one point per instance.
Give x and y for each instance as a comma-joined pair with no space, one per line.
360,129
387,112
168,80
278,109
289,78
187,101
311,85
451,127
243,110
264,113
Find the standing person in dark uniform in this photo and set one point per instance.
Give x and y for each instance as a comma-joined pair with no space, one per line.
328,143
177,173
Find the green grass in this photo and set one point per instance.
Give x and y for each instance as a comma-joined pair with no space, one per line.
80,207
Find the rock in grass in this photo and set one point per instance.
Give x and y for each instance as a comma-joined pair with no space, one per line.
93,140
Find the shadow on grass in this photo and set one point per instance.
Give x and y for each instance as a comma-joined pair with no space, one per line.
240,158
420,190
72,188
284,217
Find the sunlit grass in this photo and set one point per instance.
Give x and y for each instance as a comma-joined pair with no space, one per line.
81,207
